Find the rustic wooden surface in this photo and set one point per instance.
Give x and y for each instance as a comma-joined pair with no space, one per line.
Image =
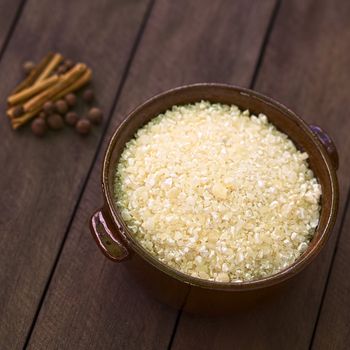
57,290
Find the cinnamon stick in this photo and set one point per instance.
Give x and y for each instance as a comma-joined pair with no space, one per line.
49,68
80,82
75,85
63,82
9,112
17,122
34,74
25,94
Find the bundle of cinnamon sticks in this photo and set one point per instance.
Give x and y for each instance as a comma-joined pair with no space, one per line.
44,83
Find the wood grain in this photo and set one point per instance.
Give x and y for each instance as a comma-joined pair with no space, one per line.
8,11
91,303
333,328
41,179
305,67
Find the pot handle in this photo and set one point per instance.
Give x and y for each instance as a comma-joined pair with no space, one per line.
327,143
101,228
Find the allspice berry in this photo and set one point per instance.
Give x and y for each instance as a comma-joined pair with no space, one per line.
28,66
71,118
48,107
39,127
61,106
71,99
55,121
83,126
42,115
18,111
62,69
95,115
88,95
69,64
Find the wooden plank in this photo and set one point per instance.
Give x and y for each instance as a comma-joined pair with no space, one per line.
8,11
332,330
306,57
91,303
41,179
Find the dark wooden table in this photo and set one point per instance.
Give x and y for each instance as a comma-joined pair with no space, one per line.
57,291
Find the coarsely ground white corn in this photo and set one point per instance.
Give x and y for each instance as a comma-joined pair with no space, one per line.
217,193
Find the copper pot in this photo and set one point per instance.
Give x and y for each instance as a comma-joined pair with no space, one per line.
178,289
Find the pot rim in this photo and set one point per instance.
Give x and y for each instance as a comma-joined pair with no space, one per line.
304,260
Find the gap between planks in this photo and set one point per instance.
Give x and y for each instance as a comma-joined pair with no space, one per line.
12,28
99,145
265,43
